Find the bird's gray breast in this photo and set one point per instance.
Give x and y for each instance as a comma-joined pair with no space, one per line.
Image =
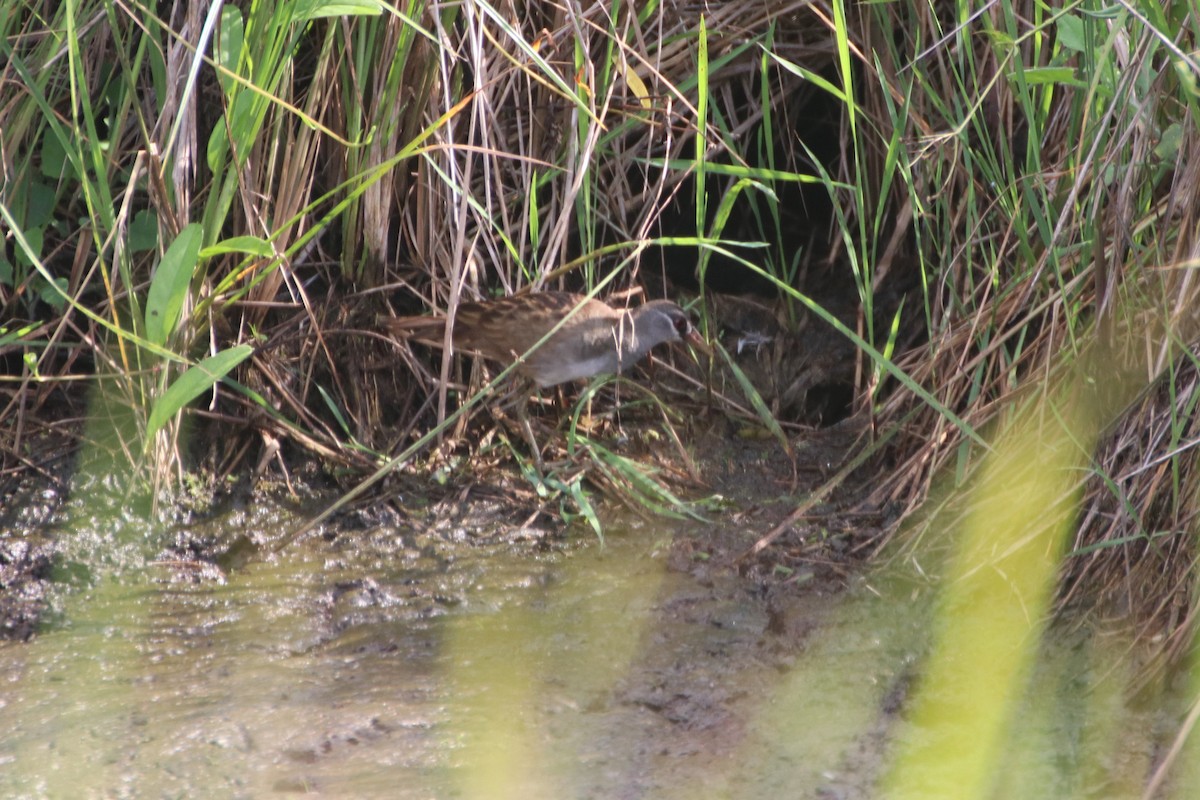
615,347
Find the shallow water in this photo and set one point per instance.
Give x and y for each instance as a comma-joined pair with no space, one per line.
383,663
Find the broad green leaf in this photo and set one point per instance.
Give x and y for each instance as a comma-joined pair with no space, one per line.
143,231
227,47
50,295
241,122
34,237
316,9
54,157
1070,33
191,384
1041,75
42,200
1169,143
169,287
253,245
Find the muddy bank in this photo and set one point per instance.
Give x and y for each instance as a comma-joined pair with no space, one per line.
361,655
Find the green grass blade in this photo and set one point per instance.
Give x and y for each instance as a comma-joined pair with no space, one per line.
760,406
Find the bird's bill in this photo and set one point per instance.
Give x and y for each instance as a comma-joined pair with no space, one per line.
697,341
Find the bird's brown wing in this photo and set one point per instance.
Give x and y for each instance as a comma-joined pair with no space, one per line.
510,326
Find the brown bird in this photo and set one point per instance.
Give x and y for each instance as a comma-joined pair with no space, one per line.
594,339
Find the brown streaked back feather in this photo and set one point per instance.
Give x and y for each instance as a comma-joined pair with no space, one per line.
510,326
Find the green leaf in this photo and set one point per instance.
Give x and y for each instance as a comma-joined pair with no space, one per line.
1186,76
227,47
191,384
584,504
253,245
54,157
51,296
809,75
1169,143
1071,33
8,337
760,406
34,237
1043,75
169,287
332,405
316,9
42,200
641,487
143,231
240,121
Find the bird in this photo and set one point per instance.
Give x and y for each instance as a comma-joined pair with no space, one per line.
593,339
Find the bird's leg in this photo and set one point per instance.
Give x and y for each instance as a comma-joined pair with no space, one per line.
518,401
619,431
523,418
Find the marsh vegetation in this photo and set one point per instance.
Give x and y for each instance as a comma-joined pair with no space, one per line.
944,257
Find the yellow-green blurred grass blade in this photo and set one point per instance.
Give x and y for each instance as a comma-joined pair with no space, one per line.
1000,581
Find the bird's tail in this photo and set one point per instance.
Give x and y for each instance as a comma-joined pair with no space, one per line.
430,330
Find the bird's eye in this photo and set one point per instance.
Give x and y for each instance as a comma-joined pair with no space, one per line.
682,325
